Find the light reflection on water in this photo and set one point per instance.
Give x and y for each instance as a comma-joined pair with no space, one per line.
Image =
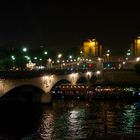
78,119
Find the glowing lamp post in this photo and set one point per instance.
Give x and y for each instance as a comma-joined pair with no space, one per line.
24,49
70,57
45,52
59,59
137,59
13,60
88,75
59,55
98,73
49,63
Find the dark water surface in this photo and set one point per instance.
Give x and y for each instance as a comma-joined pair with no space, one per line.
68,120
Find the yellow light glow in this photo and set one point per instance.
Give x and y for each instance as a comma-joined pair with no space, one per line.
89,48
138,41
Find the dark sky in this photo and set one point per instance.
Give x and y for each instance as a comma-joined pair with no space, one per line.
61,24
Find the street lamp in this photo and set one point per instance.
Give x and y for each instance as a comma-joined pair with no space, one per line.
108,55
70,57
128,52
35,58
59,59
49,63
40,59
108,51
98,73
45,52
137,59
13,57
89,75
59,55
24,49
27,57
13,60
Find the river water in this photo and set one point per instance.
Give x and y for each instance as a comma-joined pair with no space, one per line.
69,119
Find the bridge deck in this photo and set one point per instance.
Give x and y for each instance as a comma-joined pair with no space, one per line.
30,74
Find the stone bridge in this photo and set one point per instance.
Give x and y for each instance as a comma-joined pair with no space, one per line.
44,81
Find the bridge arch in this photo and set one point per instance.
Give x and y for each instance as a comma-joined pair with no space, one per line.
82,80
44,82
93,79
24,93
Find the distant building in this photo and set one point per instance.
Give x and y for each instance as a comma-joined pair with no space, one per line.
135,47
91,48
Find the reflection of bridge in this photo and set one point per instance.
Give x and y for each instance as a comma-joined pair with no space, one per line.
44,80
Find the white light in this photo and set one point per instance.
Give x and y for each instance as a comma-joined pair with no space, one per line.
35,58
45,52
49,60
59,55
89,73
24,49
78,58
70,57
138,59
124,63
107,54
98,72
58,61
13,57
128,53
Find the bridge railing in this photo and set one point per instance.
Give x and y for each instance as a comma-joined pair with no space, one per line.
34,73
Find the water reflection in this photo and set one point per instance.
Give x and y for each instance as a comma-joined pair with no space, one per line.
70,119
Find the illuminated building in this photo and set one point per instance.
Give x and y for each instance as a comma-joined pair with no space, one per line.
136,47
91,48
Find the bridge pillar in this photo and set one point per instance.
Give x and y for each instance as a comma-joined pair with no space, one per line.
46,98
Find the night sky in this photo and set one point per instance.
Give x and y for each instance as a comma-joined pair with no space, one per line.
64,24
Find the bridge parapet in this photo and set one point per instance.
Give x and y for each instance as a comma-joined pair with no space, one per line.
31,74
121,77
